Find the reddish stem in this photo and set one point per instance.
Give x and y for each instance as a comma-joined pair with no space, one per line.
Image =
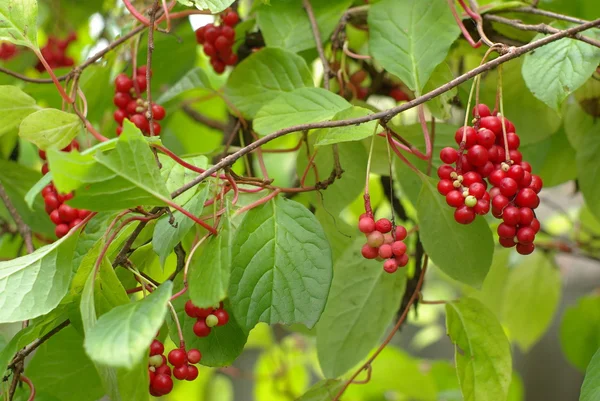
258,202
470,12
462,27
426,135
185,164
26,380
136,13
400,155
191,216
61,90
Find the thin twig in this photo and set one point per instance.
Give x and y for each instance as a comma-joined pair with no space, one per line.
23,228
149,114
318,42
202,119
550,14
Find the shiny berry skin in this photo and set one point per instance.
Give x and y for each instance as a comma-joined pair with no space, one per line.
482,207
158,112
177,357
385,251
448,155
366,225
510,127
508,187
201,329
390,266
51,202
192,373
375,239
222,43
477,189
470,201
211,320
142,70
131,107
444,186
194,356
369,252
486,138
156,128
209,49
506,231
494,154
229,33
190,309
464,164
500,202
232,59
222,316
162,384
526,166
525,249
471,138
61,230
525,216
511,215
527,197
401,233
486,169
74,223
513,141
121,100
82,213
506,242
119,115
383,225
526,180
45,169
218,66
54,216
444,171
67,213
48,190
535,224
398,248
455,199
123,83
141,82
181,372
526,235
492,123
477,155
200,34
536,183
140,121
156,348
42,154
163,369
516,172
464,215
470,178
231,19
482,109
515,156
402,260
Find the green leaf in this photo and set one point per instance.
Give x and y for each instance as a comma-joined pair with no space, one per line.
329,136
50,128
303,105
214,6
175,175
359,309
580,331
323,390
34,284
58,361
209,272
167,236
194,79
588,170
554,71
464,252
281,266
410,38
578,124
128,175
15,105
263,76
440,106
285,24
590,389
483,359
535,283
18,22
122,336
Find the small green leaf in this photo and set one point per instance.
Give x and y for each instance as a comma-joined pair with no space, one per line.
556,70
535,283
194,79
483,359
281,269
358,311
15,105
590,389
580,331
50,128
122,336
329,136
263,76
410,38
214,6
34,284
18,22
464,252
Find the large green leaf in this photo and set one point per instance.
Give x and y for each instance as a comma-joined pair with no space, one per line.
121,337
578,124
483,359
285,24
440,106
410,38
214,6
590,389
361,304
263,76
34,284
50,128
464,252
194,79
580,331
329,136
588,170
18,22
303,105
282,267
128,175
554,71
15,105
536,283
58,361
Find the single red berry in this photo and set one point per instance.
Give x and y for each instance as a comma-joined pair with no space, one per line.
516,172
464,164
156,348
190,309
482,109
402,260
445,186
449,155
222,316
515,156
383,225
121,99
506,231
525,216
494,154
140,121
123,83
45,169
398,95
385,251
132,107
511,216
231,18
444,171
366,225
486,138
42,154
194,356
487,169
398,248
200,34
508,187
228,32
61,230
142,70
192,373
471,138
211,34
201,329
471,177
513,140
526,166
177,357
180,372
119,115
162,383
525,249
48,190
51,202
455,199
527,197
510,127
55,217
526,180
401,233
526,235
74,223
141,82
204,312
500,202
164,369
492,123
536,183
482,207
477,189
82,213
464,215
158,112
156,128
535,224
369,252
218,66
233,59
477,155
390,265
507,242
222,43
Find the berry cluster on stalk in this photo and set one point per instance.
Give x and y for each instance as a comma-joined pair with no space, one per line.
7,51
492,153
384,242
62,215
217,41
206,318
160,373
132,106
55,52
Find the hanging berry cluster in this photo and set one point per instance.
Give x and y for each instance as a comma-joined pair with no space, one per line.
64,216
382,244
491,154
218,40
132,106
7,51
159,372
206,318
55,52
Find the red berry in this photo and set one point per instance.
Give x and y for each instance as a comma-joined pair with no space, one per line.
526,197
455,199
369,252
515,156
471,177
190,309
141,82
200,34
513,140
181,372
510,127
492,123
506,231
471,138
231,18
228,32
525,216
67,213
516,172
201,329
494,154
464,215
390,265
495,191
121,99
499,202
525,249
526,235
156,348
477,189
204,312
508,187
536,183
535,224
156,128
48,190
45,169
482,109
445,186
402,260
177,357
132,107
51,202
507,242
140,121
211,34
75,223
123,83
449,155
366,225
482,207
444,171
398,248
526,166
222,43
383,225
158,112
486,138
233,59
464,164
487,169
526,180
401,233
192,373
385,251
222,315
162,384
511,216
477,155
194,356
375,239
42,154
82,213
218,66
55,217
61,230
163,369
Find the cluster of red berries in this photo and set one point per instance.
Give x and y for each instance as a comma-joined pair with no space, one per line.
382,244
492,154
160,373
64,216
132,106
7,51
207,318
55,52
217,41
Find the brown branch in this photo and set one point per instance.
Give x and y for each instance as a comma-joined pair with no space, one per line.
386,115
550,14
202,119
318,42
149,114
23,228
542,28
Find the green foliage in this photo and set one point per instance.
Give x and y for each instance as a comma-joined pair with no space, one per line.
50,128
580,331
329,136
15,105
590,389
18,22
